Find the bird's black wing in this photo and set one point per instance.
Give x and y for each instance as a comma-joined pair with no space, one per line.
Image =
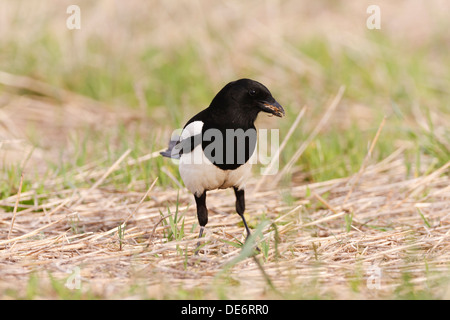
177,147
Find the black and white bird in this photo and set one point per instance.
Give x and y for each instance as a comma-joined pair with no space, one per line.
216,147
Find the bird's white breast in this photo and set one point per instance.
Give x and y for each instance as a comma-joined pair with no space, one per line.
199,174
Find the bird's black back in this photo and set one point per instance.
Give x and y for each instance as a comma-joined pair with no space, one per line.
227,144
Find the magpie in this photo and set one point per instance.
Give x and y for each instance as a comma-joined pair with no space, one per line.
216,147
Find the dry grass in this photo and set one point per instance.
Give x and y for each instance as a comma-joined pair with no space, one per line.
329,237
315,248
324,239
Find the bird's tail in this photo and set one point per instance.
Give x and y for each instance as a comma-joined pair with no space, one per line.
171,151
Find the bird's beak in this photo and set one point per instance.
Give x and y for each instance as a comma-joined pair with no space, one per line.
272,107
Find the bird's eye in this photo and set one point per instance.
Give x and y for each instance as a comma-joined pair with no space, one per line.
252,92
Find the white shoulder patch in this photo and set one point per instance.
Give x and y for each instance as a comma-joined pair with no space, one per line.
192,129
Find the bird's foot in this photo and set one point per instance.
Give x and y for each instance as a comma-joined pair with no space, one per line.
197,249
257,249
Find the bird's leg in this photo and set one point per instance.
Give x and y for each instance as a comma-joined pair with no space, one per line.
240,208
202,215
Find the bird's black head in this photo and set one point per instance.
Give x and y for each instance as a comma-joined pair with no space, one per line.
245,98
